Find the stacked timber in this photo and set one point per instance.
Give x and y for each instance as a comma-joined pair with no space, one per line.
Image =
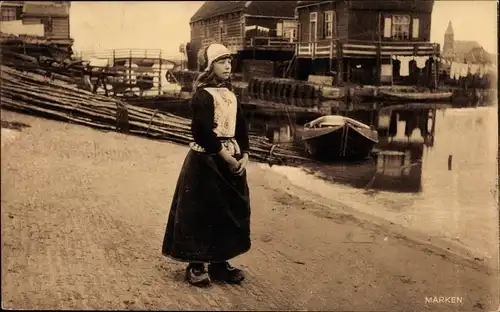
258,68
281,89
38,55
36,94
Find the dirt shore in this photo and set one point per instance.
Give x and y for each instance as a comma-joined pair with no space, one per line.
83,215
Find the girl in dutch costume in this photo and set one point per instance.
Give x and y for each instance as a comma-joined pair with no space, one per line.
209,220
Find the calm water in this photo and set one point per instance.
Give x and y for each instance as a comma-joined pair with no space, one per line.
435,172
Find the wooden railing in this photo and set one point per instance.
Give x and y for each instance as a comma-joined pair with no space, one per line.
235,44
330,48
317,49
141,69
123,54
271,43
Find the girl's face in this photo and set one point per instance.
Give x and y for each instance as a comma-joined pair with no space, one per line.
222,68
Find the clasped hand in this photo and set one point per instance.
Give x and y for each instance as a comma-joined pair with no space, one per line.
239,166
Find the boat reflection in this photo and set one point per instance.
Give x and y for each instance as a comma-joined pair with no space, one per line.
403,136
404,133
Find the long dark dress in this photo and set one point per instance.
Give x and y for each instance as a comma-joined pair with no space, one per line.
209,218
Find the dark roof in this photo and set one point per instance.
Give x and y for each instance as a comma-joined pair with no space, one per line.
267,8
272,8
299,3
213,8
6,4
463,46
392,5
469,51
478,55
377,5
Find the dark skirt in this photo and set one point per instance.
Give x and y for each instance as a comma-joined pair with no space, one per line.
209,218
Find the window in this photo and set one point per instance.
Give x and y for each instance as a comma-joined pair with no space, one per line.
279,29
400,27
313,26
387,27
329,24
289,29
8,14
415,28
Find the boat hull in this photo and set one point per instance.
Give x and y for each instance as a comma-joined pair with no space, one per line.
414,97
344,142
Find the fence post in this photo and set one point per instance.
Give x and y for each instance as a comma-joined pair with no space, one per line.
130,68
159,76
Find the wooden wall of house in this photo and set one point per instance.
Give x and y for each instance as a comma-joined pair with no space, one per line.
425,25
341,20
342,13
304,20
210,31
363,24
60,27
359,20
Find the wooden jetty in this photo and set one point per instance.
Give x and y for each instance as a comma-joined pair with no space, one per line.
129,71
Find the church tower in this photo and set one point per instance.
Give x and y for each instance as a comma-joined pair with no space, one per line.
449,40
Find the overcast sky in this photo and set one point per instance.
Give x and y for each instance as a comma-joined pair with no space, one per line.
100,25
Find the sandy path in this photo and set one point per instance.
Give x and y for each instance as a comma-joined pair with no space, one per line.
83,215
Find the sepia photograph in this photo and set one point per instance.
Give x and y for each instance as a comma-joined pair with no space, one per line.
333,155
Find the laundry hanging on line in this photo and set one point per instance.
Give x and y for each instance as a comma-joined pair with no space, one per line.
421,60
474,68
453,70
482,71
404,69
458,69
464,70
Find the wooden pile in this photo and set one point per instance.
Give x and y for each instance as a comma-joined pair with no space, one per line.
258,68
38,55
35,94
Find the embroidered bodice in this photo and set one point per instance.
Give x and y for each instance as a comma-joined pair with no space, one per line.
225,109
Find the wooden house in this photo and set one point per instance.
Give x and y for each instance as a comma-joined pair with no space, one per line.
365,41
52,17
262,30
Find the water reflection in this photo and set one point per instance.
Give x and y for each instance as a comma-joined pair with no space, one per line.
435,172
407,138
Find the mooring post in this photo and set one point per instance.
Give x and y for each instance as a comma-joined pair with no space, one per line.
130,69
159,76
